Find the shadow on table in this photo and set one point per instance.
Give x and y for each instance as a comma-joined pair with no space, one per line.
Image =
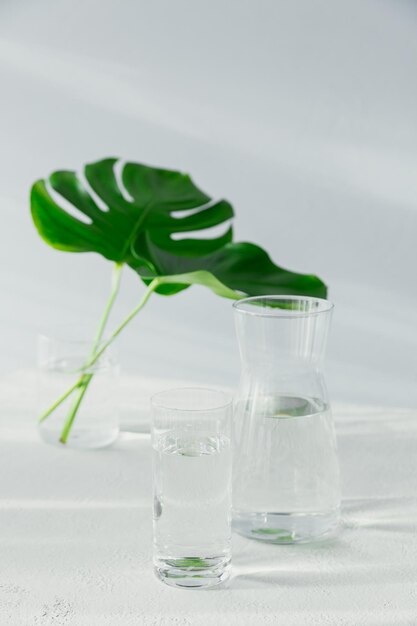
371,545
382,514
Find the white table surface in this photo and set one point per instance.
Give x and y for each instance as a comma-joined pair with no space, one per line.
75,532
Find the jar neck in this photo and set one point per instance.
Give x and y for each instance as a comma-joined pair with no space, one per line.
282,344
282,356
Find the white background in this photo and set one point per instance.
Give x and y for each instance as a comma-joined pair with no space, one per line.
302,114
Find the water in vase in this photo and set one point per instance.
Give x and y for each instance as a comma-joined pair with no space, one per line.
286,486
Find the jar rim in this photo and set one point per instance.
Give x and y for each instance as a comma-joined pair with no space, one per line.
292,306
57,338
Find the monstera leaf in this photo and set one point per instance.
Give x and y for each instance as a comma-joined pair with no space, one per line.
157,222
139,215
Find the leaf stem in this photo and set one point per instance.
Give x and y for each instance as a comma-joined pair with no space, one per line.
74,409
151,288
59,401
115,285
85,379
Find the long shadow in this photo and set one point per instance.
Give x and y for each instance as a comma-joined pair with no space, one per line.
385,514
364,550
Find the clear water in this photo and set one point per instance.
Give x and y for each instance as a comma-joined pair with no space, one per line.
96,424
192,504
286,476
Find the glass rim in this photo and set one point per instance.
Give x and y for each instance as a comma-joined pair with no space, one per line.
56,337
158,403
325,306
51,347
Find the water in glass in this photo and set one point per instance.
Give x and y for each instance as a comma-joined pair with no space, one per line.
192,502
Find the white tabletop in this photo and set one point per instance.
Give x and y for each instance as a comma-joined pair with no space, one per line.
75,532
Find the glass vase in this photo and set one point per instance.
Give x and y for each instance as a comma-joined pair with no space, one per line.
61,363
286,472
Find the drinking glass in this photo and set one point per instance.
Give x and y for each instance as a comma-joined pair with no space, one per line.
61,363
191,442
286,471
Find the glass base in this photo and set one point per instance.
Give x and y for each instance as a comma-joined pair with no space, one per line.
193,572
80,438
287,528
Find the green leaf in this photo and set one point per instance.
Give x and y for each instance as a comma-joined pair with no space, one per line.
277,534
234,270
139,216
147,218
189,562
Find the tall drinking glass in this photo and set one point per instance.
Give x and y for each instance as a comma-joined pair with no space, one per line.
191,431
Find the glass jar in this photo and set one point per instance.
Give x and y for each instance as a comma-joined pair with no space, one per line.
88,417
286,472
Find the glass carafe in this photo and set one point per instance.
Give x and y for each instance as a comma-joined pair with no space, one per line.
286,471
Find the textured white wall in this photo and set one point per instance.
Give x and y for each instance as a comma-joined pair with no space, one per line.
302,114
